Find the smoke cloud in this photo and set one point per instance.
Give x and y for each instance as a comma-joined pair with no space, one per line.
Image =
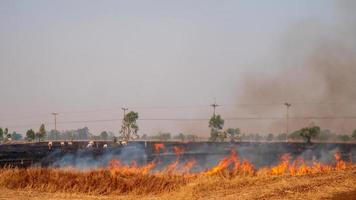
316,74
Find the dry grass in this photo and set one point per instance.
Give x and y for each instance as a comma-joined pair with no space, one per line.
100,182
41,183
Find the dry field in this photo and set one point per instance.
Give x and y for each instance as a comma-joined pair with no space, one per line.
332,185
231,178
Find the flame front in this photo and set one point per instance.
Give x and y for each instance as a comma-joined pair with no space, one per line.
232,166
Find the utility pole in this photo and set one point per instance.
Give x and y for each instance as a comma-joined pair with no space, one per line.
55,120
214,105
288,105
124,109
123,128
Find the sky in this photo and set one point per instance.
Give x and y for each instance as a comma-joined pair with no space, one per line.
164,59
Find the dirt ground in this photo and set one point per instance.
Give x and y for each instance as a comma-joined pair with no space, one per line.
334,185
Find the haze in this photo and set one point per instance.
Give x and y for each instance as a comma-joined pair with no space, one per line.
171,60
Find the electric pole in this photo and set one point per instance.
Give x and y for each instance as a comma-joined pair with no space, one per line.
288,105
214,105
124,109
55,120
123,127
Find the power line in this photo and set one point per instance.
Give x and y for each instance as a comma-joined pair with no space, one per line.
31,115
190,119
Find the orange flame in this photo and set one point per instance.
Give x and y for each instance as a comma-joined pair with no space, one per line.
178,150
232,166
158,147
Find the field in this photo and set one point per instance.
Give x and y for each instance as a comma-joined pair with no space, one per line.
332,185
232,177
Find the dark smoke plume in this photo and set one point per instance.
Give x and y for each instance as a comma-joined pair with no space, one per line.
317,74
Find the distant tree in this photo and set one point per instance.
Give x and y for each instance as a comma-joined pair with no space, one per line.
257,137
353,136
144,137
16,136
344,138
129,126
233,133
216,124
222,135
270,137
325,135
82,134
54,135
1,134
104,135
41,132
180,137
282,136
191,137
6,132
310,132
295,135
30,135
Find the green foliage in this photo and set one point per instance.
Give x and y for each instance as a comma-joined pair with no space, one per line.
282,136
16,136
344,138
233,133
30,135
222,136
191,137
129,126
353,136
104,135
1,134
216,124
180,137
162,136
41,132
54,135
270,137
310,132
6,133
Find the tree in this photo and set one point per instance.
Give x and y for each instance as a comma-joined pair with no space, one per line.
344,138
180,137
41,133
282,136
129,126
6,132
216,124
310,132
353,136
257,137
233,133
191,137
16,136
222,135
1,134
54,135
104,135
162,136
30,135
270,137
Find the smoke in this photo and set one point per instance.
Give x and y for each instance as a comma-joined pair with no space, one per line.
317,65
86,159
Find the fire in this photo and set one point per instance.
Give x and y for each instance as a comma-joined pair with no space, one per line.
232,166
158,147
299,167
178,150
117,166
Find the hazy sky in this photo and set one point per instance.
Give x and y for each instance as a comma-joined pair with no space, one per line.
165,59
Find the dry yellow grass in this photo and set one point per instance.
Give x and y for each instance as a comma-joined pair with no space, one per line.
39,183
